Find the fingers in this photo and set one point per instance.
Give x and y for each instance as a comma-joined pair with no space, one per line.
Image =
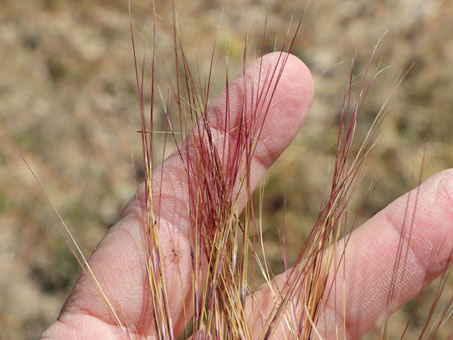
118,261
386,261
422,222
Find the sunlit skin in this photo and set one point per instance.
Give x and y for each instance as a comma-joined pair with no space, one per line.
370,253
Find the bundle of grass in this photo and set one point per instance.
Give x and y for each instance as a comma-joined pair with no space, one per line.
183,260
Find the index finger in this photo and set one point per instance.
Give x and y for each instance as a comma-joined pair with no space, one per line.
118,261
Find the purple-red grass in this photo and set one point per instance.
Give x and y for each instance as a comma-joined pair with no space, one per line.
217,169
222,242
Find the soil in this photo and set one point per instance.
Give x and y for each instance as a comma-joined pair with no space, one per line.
68,99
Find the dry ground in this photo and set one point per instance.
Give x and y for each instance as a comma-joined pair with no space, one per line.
68,98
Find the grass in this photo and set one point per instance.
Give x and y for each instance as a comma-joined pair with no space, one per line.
96,132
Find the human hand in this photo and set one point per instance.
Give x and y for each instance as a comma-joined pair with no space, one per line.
371,250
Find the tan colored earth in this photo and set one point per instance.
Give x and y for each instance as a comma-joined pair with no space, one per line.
68,99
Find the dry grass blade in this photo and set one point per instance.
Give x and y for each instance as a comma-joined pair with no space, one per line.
227,246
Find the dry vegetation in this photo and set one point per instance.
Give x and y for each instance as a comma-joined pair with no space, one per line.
68,98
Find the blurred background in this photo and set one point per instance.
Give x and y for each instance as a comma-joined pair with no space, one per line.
69,101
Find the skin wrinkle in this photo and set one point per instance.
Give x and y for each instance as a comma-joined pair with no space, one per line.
264,154
415,276
125,303
406,246
170,192
368,298
67,326
81,310
380,235
334,305
78,296
261,161
78,300
72,327
445,186
425,218
259,164
444,189
106,257
259,305
444,199
362,306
